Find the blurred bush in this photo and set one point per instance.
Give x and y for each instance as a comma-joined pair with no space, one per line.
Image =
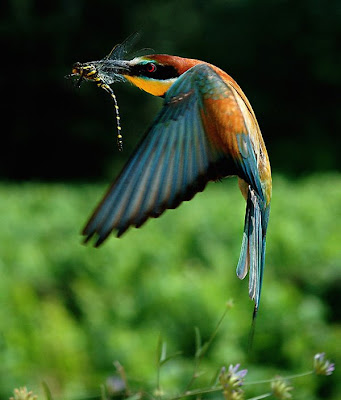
68,311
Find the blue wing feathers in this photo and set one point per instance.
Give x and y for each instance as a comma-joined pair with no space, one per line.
242,267
130,181
186,178
174,175
111,206
137,193
146,185
248,163
165,170
154,183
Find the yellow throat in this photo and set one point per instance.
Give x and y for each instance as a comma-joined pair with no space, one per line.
152,86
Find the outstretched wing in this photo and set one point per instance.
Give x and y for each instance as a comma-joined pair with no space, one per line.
174,161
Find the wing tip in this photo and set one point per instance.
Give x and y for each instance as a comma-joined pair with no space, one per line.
99,238
88,238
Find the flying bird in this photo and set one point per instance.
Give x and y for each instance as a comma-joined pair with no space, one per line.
205,131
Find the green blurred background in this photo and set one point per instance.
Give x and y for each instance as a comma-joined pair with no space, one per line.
68,311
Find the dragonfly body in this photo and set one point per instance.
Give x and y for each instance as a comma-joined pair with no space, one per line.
206,130
91,72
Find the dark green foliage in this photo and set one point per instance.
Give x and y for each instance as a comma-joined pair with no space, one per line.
68,311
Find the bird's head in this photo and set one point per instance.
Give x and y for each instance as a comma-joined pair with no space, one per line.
155,73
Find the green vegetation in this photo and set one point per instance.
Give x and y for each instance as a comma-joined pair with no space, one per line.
68,311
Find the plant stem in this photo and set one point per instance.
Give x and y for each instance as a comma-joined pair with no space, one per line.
284,377
197,392
262,396
203,352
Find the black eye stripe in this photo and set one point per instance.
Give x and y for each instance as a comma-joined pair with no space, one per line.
161,72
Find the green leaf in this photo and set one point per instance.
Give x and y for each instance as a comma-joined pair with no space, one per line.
197,342
47,391
203,349
135,396
159,350
170,357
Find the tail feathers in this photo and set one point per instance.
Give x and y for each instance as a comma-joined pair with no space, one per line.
252,255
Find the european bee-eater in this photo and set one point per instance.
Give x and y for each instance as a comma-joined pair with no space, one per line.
206,130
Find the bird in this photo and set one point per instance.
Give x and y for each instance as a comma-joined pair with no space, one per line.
205,131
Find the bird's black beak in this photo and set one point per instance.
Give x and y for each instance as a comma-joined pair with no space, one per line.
117,67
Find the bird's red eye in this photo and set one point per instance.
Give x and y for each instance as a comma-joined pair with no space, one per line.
151,67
